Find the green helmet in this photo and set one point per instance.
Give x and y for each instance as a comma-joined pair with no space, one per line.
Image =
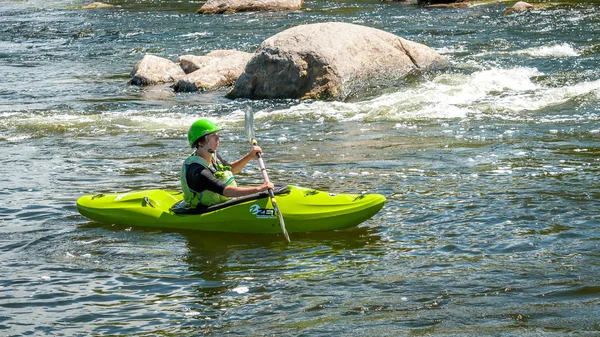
201,127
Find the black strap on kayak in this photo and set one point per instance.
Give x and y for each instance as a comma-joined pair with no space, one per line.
181,206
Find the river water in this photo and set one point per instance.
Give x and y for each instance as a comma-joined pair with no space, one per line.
491,170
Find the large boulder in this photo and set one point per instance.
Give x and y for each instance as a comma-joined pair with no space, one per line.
331,61
460,4
219,68
231,6
95,5
520,6
435,2
152,70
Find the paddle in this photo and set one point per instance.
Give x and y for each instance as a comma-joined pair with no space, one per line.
249,123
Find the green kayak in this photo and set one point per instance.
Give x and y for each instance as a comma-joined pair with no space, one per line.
304,210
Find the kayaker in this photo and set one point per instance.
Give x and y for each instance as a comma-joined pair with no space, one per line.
206,178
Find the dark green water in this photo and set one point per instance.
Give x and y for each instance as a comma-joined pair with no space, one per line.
491,171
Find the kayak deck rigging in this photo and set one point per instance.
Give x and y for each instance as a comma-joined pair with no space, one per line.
181,208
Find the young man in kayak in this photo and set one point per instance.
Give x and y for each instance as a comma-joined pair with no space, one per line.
207,179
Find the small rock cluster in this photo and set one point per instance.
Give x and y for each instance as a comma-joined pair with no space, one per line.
216,69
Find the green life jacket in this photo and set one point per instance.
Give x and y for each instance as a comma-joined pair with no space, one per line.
206,197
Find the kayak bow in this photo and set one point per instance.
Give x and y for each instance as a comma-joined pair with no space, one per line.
305,210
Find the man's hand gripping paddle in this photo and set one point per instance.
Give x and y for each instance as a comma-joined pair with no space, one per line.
249,123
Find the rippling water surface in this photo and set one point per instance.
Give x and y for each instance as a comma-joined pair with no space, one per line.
490,169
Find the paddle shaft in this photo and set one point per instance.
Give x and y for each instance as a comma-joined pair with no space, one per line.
263,169
261,165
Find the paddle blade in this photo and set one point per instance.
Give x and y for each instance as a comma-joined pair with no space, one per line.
249,124
280,216
282,225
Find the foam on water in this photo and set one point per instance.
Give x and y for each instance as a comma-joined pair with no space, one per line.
126,121
557,50
195,35
487,92
511,93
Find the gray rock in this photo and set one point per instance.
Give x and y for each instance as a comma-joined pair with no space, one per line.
231,6
519,7
95,5
460,4
331,61
191,63
435,2
152,70
219,68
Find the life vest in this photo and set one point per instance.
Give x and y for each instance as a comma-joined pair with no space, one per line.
206,197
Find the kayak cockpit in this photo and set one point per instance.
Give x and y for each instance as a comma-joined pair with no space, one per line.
181,207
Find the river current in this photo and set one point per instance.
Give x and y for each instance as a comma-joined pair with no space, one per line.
490,168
